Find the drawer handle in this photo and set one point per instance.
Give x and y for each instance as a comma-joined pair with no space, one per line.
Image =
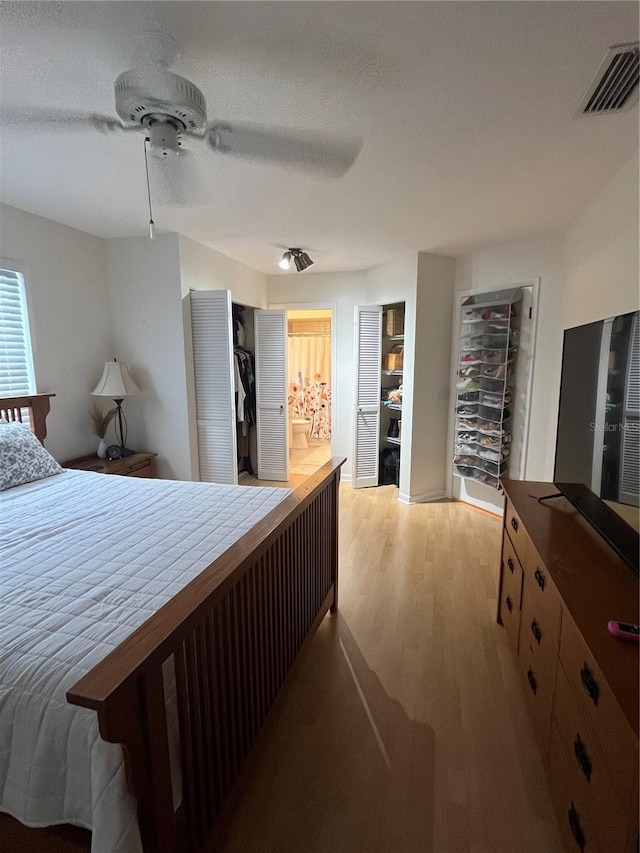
576,829
533,684
509,603
511,565
589,683
539,579
584,762
514,523
535,630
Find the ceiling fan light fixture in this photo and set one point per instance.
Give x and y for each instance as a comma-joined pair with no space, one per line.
164,139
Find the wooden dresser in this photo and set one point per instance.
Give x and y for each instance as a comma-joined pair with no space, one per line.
560,583
137,465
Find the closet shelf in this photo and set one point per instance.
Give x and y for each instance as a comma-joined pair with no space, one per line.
392,440
392,372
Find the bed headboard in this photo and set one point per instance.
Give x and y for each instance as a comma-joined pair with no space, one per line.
11,409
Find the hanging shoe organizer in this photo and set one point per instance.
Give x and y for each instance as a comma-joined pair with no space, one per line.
487,352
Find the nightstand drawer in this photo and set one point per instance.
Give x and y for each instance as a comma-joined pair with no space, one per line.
147,468
137,465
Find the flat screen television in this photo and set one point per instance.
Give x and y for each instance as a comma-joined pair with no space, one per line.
597,464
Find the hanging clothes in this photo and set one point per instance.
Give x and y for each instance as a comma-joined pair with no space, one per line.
245,397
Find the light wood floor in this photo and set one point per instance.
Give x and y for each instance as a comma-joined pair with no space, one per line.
302,463
402,728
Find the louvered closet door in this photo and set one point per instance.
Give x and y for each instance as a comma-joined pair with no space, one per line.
212,335
366,416
271,394
630,457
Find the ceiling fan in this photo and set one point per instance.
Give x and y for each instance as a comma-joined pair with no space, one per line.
169,110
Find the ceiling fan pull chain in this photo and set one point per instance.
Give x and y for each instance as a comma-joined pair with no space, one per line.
152,224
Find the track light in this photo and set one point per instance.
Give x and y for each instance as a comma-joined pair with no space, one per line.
285,261
300,259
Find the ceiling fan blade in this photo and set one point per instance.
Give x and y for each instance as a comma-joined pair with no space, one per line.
308,150
53,119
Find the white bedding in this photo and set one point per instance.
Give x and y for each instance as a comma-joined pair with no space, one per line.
85,559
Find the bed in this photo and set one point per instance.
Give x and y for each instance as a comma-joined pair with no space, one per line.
158,620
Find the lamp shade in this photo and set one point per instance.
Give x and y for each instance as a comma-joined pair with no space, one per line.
115,382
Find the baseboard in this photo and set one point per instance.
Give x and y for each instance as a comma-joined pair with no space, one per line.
421,499
344,477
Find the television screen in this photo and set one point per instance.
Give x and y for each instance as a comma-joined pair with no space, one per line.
598,439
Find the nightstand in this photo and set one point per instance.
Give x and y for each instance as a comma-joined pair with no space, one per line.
138,465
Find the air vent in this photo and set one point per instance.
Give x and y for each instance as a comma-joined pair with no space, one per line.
615,86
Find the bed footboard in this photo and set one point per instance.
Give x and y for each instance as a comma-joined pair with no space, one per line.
233,634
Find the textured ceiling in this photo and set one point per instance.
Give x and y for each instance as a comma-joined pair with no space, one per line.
467,113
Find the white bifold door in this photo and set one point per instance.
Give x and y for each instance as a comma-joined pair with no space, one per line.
215,378
213,367
271,394
366,415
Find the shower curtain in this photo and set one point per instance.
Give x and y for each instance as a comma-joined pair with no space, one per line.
310,382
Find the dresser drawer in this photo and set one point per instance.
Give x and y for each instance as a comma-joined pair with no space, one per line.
603,714
539,630
543,589
575,821
511,593
538,688
515,528
590,777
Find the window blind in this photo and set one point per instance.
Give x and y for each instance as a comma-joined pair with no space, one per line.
16,362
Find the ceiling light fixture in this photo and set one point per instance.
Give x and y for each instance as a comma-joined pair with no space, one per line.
300,258
285,261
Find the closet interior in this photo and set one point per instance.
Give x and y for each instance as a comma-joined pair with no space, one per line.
244,366
391,391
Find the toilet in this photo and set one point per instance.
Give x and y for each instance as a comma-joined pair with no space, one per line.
299,432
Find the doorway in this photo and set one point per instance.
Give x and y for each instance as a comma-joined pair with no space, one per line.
309,388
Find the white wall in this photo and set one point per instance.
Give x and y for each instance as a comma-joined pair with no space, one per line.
396,282
144,290
586,273
66,283
345,290
601,253
202,268
434,311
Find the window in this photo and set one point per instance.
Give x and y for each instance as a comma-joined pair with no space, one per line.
16,360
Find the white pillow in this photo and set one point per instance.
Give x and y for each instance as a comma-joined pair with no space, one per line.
22,458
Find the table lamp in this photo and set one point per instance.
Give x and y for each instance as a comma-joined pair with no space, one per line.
116,382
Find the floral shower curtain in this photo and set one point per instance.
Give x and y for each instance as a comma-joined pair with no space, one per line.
310,381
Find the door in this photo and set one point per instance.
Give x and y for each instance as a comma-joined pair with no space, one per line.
366,416
213,368
271,394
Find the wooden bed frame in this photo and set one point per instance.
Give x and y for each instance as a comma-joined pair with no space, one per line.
233,633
